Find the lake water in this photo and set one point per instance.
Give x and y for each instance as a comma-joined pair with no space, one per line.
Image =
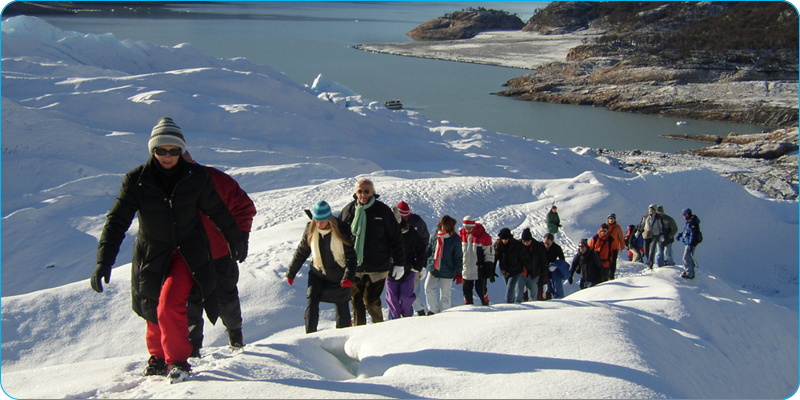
304,39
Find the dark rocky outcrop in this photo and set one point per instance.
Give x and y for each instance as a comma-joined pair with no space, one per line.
680,59
465,24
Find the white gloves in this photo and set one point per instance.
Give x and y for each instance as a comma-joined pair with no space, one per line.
398,272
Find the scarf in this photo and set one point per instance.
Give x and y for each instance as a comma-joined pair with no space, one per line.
359,227
439,249
337,249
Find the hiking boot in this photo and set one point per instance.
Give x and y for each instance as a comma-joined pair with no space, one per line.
687,276
421,313
235,338
431,313
155,366
179,372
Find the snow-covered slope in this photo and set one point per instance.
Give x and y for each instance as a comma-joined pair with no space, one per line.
77,112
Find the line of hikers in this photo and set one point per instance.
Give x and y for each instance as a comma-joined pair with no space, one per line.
193,229
372,246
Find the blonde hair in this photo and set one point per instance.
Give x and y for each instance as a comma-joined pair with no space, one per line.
333,226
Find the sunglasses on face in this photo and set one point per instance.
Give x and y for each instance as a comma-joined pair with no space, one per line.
163,152
359,191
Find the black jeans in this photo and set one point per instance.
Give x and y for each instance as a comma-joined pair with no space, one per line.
480,289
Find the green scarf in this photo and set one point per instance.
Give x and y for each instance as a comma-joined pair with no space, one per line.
359,227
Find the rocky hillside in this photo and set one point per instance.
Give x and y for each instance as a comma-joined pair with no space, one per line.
683,59
465,24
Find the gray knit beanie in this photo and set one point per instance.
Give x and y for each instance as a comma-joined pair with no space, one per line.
166,133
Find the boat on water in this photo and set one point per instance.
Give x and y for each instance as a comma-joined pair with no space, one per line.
393,104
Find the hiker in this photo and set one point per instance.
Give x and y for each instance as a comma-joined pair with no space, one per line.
478,252
418,224
171,254
445,262
691,237
553,252
536,270
400,295
230,309
333,265
378,243
651,227
553,220
615,230
587,264
511,257
607,249
664,251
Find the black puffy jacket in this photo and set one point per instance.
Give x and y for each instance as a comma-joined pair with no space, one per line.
383,241
167,221
511,257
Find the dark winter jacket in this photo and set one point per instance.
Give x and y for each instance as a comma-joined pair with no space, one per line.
670,228
554,253
511,257
553,222
383,240
334,273
415,253
452,258
417,223
588,265
691,235
168,220
537,265
240,204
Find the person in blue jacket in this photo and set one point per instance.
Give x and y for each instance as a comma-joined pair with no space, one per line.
691,237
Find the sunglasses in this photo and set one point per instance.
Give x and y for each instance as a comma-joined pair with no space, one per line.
163,152
363,191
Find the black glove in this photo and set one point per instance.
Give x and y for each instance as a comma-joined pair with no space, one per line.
239,250
570,280
101,271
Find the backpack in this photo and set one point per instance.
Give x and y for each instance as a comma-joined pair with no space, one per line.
638,242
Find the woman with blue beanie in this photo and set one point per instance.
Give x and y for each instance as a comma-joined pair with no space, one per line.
333,265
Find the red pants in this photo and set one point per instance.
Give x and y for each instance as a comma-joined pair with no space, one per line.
170,338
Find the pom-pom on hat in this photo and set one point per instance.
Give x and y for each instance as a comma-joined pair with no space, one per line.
166,133
321,211
405,211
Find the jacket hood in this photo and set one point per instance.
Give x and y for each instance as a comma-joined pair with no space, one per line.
479,235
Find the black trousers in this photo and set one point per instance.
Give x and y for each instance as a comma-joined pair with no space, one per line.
480,289
319,289
230,309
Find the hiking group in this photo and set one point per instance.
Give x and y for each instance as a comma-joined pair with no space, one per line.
193,229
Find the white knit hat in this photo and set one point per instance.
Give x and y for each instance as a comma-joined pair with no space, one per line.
166,133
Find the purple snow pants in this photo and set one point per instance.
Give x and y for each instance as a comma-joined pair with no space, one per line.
400,296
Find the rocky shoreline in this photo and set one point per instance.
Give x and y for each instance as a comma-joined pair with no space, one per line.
594,53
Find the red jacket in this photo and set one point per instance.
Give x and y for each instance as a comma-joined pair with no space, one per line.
238,202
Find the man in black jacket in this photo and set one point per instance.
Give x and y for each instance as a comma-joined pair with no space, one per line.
171,257
379,247
587,263
512,257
